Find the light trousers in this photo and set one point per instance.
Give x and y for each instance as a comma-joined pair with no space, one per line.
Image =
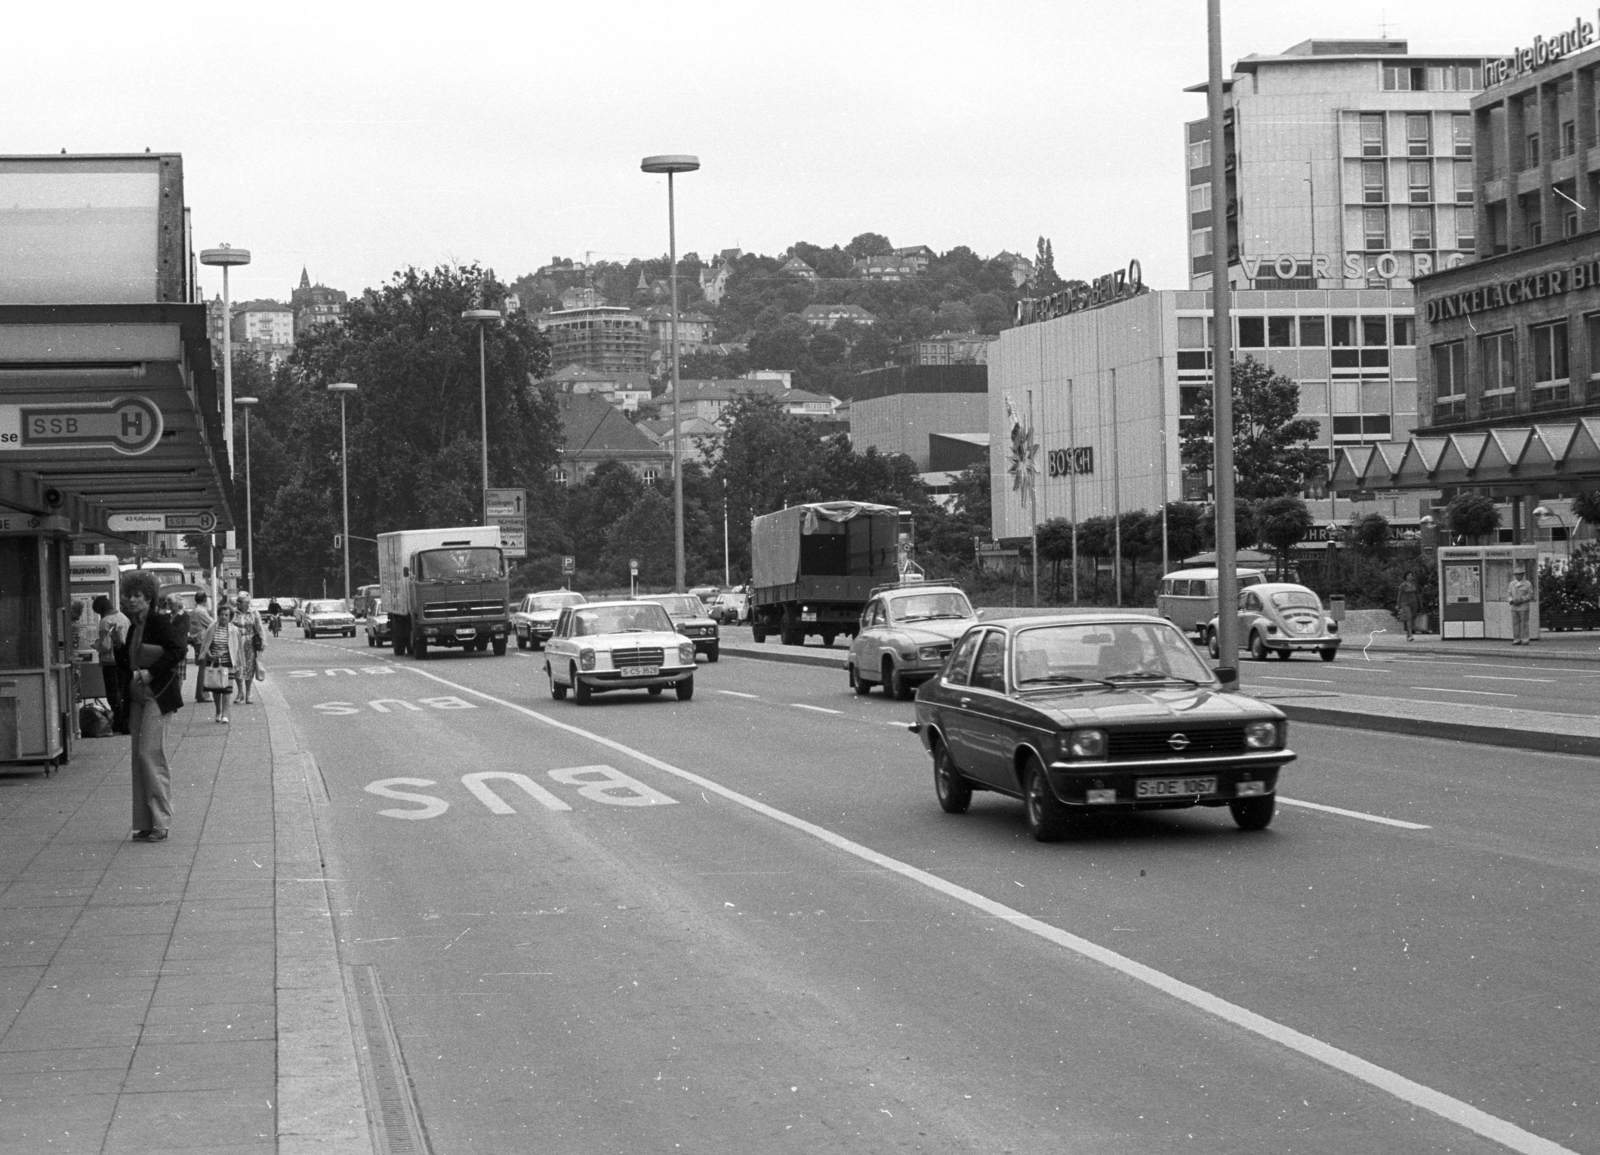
152,778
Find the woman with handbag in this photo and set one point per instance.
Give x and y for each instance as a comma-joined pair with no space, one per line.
223,646
248,667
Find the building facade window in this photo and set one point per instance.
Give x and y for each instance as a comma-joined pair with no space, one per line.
1200,243
1550,369
1450,380
1397,78
1200,154
1419,178
1375,226
1314,332
1569,137
1497,362
1252,332
1280,332
650,475
1463,172
1419,135
1532,152
1200,198
1372,134
1591,332
1461,133
1421,228
1405,329
1374,182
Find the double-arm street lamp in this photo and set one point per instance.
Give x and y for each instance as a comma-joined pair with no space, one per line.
482,317
342,388
246,403
673,164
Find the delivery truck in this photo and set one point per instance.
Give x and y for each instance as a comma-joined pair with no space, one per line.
445,587
814,566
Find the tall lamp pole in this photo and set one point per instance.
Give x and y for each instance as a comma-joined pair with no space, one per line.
1222,370
482,317
342,388
671,165
246,403
225,257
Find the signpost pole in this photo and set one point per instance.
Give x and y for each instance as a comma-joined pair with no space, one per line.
1222,370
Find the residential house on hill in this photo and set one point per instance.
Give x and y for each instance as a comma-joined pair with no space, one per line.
946,349
698,435
714,282
694,330
1021,267
889,267
707,399
594,431
827,316
627,391
315,305
795,267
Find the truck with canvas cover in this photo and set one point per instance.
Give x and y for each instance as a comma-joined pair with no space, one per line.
445,587
813,567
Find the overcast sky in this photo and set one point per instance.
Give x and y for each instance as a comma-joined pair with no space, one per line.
355,139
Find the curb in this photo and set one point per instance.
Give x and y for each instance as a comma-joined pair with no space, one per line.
1545,741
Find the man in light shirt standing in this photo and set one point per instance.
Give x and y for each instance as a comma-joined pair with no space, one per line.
1520,594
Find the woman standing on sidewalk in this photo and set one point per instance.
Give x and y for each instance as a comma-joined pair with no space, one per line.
221,649
1408,603
253,641
152,658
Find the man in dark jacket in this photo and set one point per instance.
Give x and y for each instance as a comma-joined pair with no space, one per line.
154,656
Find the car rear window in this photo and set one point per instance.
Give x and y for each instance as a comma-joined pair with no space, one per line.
1296,599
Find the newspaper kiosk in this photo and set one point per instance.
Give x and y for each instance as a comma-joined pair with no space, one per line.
1472,589
36,640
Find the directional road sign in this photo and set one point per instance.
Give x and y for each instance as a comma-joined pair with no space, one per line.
186,521
508,509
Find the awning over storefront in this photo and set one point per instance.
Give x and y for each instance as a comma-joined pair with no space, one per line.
1561,457
110,410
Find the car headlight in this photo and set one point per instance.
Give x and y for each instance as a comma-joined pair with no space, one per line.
585,659
1084,743
929,653
686,653
1261,735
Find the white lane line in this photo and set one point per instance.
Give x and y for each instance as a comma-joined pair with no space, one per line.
818,709
1502,678
1447,1107
1481,693
1540,668
736,694
1282,678
1353,814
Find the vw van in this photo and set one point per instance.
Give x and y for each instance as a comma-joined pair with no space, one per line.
1188,597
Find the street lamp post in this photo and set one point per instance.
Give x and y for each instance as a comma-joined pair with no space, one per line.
246,403
225,257
342,388
483,317
1542,510
671,164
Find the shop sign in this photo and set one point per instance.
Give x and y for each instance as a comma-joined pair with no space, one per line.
1063,462
1081,295
128,425
1539,53
1353,266
1502,294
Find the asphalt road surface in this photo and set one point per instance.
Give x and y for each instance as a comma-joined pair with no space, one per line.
741,923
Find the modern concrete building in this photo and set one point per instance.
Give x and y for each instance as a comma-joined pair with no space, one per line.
1350,165
608,338
901,408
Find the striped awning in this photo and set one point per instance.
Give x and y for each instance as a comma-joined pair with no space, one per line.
1537,459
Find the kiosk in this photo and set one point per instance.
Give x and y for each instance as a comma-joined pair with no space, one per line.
92,575
36,640
1472,589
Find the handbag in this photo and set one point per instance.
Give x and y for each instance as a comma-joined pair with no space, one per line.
217,678
256,643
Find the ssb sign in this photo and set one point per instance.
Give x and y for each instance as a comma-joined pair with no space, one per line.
129,425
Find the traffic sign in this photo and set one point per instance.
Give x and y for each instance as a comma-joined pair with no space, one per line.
633,566
187,521
569,564
508,509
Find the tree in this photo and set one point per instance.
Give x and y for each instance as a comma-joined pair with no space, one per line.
1273,454
1472,515
1185,530
1055,546
1281,524
1045,279
1368,535
868,245
1586,507
643,534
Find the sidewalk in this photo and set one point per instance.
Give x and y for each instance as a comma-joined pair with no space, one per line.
1518,729
175,995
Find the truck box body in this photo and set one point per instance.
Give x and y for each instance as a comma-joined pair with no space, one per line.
813,567
444,587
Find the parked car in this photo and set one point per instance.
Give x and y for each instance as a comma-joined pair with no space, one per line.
327,617
534,618
378,624
621,645
259,605
732,608
1188,597
706,594
688,614
906,633
1280,618
1077,715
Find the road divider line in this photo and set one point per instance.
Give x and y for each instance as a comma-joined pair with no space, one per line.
1447,1107
737,694
818,709
1282,678
1354,814
1480,693
1503,678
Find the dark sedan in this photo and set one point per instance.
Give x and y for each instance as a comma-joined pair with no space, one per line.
1080,714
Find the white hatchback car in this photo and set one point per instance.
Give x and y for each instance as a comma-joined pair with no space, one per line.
621,645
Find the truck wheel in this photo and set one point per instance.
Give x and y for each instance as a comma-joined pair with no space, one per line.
499,647
828,636
794,636
757,630
397,641
522,642
419,647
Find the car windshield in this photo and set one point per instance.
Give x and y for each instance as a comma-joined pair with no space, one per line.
554,601
620,620
459,565
1119,651
325,608
923,607
684,606
1296,600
